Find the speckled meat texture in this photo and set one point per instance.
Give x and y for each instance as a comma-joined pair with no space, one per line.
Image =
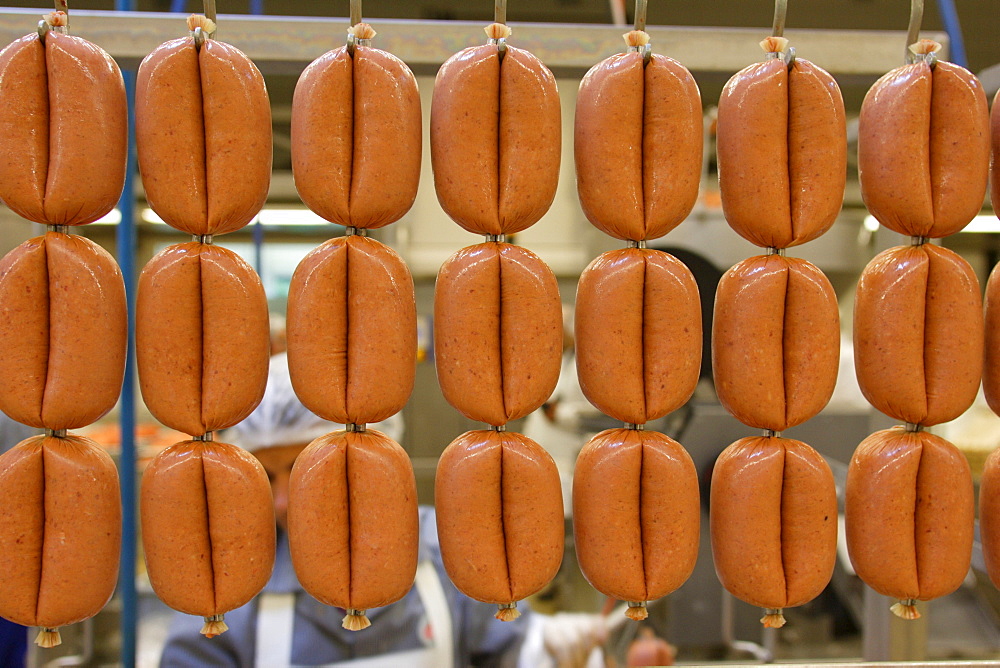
352,520
497,332
989,516
203,136
909,513
911,365
773,521
991,346
638,145
495,139
207,527
635,514
60,531
63,329
499,515
924,149
782,146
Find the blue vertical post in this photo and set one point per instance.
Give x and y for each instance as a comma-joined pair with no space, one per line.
956,44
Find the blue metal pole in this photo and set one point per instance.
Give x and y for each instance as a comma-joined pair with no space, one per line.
258,246
956,47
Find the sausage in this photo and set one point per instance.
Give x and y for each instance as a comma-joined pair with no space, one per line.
207,527
773,517
782,149
64,130
499,516
989,516
635,514
352,331
356,137
991,347
909,511
775,341
638,334
995,154
497,332
924,149
352,521
203,357
909,362
202,116
495,139
63,326
60,531
638,145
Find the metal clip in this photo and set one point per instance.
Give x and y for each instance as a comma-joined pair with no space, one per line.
913,428
634,427
641,243
770,433
918,241
201,238
496,238
355,231
356,427
498,427
59,229
207,437
56,433
775,251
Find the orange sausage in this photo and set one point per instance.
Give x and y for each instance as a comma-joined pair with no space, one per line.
352,331
495,139
352,520
499,515
991,347
989,516
995,154
638,145
924,149
497,332
909,512
203,357
63,329
782,147
201,117
773,520
64,129
207,527
356,137
61,536
635,514
775,341
638,334
910,364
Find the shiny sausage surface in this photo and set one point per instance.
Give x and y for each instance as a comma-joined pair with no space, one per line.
989,516
991,346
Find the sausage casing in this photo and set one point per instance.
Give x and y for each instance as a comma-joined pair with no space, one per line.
63,328
63,129
497,332
782,145
638,145
207,527
60,530
924,149
991,347
499,515
775,341
989,516
352,520
356,137
203,358
352,331
635,514
910,364
909,511
201,117
638,334
773,517
495,139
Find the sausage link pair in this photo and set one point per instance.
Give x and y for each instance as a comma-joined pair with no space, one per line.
775,341
638,145
207,528
201,338
497,332
924,149
352,331
356,137
635,515
203,135
63,129
60,532
773,523
63,331
989,516
352,522
638,334
909,512
495,139
910,364
499,516
782,148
